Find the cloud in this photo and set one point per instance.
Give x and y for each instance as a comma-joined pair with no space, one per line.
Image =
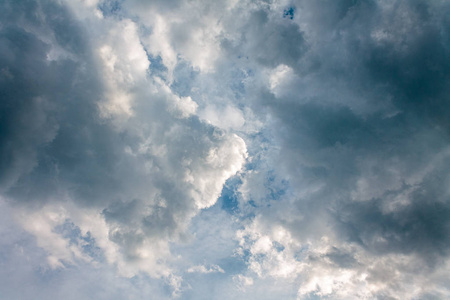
204,270
94,142
352,135
240,149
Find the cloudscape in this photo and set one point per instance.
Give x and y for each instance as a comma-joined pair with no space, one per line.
229,149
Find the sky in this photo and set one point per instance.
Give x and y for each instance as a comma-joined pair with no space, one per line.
229,149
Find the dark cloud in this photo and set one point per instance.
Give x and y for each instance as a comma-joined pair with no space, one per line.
268,39
360,117
418,227
51,121
32,89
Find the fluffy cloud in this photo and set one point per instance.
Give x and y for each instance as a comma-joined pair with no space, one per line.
226,149
93,142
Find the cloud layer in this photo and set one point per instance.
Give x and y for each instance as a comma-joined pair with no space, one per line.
225,149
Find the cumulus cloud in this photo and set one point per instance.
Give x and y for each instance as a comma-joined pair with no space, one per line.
226,149
91,140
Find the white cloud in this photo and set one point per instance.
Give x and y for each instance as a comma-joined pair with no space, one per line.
124,63
204,270
243,281
227,117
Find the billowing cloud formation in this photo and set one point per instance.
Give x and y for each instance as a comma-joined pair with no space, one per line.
93,143
225,149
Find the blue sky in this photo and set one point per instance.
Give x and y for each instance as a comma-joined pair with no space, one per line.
266,149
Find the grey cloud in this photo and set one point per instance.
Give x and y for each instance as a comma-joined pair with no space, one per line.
341,258
266,37
362,133
60,138
420,227
41,98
